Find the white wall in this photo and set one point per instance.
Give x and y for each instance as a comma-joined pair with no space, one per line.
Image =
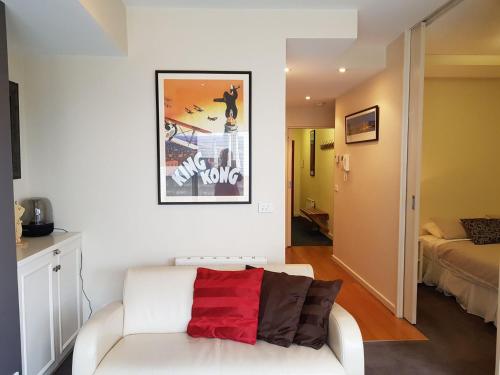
92,138
366,208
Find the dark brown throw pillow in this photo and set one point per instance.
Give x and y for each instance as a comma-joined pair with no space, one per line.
482,231
281,299
313,327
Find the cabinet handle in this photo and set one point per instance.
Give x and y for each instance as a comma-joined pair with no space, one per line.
57,252
56,268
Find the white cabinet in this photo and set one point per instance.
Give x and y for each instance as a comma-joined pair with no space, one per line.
49,300
36,300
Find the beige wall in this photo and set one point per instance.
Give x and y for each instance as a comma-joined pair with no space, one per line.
460,158
320,186
309,115
367,205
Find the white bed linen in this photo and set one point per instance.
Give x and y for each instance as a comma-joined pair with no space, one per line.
474,297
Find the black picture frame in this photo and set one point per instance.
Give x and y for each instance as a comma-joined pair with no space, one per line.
15,134
312,153
248,108
352,135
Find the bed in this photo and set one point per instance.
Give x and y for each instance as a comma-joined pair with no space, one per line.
467,271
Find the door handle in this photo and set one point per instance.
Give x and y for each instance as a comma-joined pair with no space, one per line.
56,268
57,252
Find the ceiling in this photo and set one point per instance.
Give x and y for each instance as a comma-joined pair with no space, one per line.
379,20
70,27
66,26
314,63
465,41
470,28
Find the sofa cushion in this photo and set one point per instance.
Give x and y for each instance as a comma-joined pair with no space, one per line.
179,354
281,300
159,299
313,326
226,304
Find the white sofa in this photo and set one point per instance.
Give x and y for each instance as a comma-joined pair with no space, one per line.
147,335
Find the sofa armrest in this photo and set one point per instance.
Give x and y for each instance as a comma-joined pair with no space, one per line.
344,338
96,338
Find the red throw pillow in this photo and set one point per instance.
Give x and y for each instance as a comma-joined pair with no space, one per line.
226,304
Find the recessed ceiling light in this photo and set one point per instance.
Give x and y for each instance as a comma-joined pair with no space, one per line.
287,69
308,98
342,69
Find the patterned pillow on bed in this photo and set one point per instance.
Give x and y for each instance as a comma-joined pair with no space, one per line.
482,231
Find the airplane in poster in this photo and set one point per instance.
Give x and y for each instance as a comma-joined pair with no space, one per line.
181,133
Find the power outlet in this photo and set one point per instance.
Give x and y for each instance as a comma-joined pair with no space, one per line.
265,208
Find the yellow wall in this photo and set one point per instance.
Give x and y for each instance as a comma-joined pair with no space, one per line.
461,149
320,186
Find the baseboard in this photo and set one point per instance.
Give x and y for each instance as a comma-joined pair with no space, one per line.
366,284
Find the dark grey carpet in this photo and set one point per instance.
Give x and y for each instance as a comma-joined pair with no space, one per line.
304,233
459,343
65,368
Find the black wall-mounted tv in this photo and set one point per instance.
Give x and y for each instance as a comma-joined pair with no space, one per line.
14,129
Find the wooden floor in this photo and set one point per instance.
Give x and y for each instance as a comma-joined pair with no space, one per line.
375,320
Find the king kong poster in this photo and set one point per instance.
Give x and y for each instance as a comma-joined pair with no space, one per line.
203,127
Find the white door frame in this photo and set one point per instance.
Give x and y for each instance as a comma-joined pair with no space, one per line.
411,149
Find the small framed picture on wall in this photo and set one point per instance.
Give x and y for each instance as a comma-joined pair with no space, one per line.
362,126
203,136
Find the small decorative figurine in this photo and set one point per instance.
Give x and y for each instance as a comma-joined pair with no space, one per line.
18,212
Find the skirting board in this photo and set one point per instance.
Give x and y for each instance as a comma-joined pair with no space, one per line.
366,284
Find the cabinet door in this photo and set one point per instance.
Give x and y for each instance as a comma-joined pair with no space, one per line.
69,300
36,289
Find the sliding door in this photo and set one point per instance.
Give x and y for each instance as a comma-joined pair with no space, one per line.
415,125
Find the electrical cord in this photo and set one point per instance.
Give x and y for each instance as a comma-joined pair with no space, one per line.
83,288
81,276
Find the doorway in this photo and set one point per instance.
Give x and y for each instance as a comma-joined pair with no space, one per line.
453,81
311,165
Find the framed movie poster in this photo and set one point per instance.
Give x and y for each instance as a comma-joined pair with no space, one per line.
204,136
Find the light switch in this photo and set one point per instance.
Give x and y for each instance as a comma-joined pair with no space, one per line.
265,207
